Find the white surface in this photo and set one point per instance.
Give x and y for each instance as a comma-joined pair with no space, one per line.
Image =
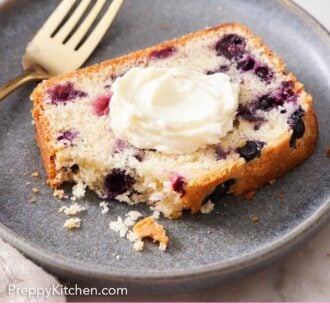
320,9
16,270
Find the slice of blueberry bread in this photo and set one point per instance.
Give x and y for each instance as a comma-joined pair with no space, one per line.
275,126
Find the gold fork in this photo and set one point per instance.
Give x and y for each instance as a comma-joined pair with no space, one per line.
48,55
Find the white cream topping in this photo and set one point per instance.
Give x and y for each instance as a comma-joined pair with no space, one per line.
172,110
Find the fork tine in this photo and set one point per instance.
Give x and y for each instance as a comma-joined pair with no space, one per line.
72,21
92,41
55,18
86,24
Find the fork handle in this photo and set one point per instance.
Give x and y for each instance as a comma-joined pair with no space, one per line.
20,80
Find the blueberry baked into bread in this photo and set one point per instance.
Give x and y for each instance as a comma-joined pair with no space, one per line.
272,127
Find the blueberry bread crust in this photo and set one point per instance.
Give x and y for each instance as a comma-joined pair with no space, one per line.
275,126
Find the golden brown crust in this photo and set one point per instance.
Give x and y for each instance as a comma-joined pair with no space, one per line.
273,162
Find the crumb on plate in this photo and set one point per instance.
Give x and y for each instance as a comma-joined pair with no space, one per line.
148,227
72,223
328,152
119,227
207,207
249,195
59,193
79,189
72,209
255,219
138,245
104,207
35,174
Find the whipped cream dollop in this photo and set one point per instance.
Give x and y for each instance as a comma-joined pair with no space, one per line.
172,110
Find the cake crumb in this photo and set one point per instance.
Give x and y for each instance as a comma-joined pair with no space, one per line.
72,223
132,236
138,245
207,207
280,195
104,207
59,193
79,189
131,217
255,219
27,183
119,227
271,182
122,227
134,215
35,174
328,152
32,201
35,190
148,227
249,195
72,209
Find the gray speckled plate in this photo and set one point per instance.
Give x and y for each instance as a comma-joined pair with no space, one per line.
204,248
